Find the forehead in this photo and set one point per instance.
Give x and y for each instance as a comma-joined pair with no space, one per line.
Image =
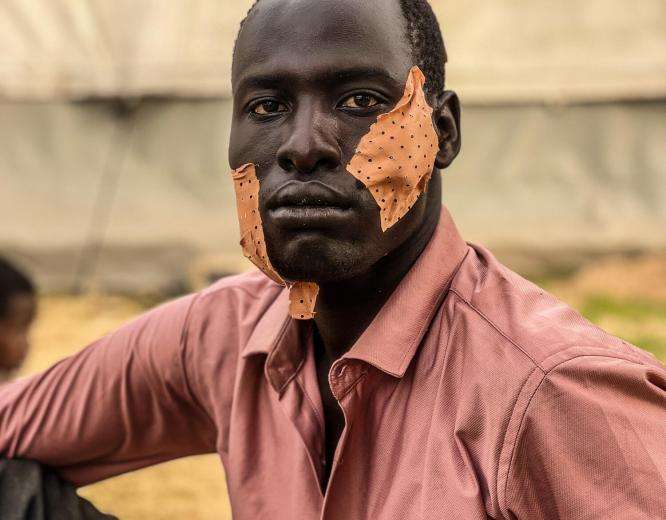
305,36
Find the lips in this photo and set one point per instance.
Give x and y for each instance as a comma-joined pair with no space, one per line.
309,204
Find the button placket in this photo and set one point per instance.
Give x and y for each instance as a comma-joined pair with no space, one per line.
343,378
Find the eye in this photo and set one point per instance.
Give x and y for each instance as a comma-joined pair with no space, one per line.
360,101
267,107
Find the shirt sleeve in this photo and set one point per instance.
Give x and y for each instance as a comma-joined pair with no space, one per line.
120,404
592,444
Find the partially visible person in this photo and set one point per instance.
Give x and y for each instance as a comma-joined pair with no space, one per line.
29,491
18,306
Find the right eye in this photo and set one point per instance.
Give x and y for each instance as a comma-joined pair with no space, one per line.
361,101
267,107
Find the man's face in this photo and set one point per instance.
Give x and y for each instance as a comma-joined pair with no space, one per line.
15,329
309,79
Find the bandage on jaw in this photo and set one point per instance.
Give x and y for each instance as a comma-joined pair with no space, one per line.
394,160
302,295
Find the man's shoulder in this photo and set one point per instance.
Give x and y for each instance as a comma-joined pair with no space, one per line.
240,298
252,284
526,318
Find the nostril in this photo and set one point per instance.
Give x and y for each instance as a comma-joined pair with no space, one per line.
306,165
326,163
286,164
307,154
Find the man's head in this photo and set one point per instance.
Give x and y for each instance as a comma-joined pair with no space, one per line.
17,312
309,79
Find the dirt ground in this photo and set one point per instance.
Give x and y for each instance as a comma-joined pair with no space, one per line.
625,296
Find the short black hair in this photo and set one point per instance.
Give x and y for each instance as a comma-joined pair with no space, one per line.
424,36
12,282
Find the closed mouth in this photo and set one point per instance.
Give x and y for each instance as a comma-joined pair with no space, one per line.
308,206
311,195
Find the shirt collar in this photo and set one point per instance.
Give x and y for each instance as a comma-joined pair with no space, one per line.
391,340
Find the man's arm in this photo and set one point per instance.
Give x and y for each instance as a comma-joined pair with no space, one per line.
592,444
121,404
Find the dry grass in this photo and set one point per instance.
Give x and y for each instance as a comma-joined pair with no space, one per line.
628,298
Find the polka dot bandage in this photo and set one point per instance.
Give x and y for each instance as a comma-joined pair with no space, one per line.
395,159
302,295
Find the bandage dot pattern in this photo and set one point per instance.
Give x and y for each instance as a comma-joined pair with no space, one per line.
302,295
302,300
394,145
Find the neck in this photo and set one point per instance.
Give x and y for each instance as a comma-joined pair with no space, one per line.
345,309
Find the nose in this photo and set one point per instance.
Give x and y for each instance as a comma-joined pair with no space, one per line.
311,146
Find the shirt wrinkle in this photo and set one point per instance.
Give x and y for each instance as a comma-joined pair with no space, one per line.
274,373
183,365
320,419
494,326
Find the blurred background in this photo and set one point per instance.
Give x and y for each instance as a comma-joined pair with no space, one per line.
115,193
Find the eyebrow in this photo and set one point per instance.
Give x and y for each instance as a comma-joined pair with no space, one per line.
329,76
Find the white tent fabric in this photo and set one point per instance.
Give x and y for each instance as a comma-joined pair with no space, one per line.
518,51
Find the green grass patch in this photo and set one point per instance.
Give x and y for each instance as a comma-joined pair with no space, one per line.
655,345
596,307
628,315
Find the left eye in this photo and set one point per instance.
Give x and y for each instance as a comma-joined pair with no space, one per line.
360,101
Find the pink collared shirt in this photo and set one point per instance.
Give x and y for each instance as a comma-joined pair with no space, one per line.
472,394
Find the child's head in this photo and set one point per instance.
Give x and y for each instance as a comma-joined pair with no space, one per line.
17,312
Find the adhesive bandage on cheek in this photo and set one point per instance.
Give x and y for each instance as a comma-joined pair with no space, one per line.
302,295
395,159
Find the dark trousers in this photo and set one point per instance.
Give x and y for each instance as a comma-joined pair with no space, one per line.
29,491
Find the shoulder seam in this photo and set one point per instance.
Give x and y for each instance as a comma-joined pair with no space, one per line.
544,377
496,328
520,426
607,355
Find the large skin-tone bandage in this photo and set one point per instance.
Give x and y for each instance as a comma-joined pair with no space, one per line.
394,160
396,157
302,295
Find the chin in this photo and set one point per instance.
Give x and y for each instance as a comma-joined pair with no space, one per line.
313,258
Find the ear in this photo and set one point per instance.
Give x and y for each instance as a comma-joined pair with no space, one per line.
446,115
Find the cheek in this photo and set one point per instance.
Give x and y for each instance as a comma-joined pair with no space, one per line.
352,132
255,143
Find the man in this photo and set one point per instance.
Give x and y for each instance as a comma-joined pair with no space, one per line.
17,313
432,382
